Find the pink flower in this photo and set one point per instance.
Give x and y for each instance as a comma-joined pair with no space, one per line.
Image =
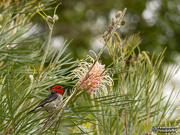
94,79
97,78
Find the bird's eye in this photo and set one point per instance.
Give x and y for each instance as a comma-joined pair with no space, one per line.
58,87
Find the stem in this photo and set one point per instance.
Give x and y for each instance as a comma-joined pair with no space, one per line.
47,48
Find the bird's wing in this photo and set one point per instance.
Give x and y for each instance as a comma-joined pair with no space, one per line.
50,98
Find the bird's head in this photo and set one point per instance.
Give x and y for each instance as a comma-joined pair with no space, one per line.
58,89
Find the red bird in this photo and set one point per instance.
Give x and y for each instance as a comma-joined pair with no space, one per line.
52,101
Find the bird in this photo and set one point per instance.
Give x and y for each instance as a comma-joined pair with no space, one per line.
52,101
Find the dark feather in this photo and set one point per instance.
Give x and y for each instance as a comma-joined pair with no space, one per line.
49,99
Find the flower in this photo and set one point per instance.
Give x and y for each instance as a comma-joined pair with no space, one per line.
97,80
94,78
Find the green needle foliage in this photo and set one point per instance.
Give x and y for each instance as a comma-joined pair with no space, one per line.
29,67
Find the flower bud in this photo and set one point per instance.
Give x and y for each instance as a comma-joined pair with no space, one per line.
110,27
113,22
118,26
49,19
31,78
55,17
118,14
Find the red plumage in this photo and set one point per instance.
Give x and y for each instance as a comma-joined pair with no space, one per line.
52,101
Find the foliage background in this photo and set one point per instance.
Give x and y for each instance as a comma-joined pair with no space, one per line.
137,97
158,22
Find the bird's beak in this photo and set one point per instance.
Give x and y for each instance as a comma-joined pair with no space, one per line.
65,87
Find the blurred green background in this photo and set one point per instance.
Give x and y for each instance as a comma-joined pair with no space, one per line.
82,21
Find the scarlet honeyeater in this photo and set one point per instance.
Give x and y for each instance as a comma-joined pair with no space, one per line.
52,101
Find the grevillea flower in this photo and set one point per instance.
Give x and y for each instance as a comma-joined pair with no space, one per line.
97,80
